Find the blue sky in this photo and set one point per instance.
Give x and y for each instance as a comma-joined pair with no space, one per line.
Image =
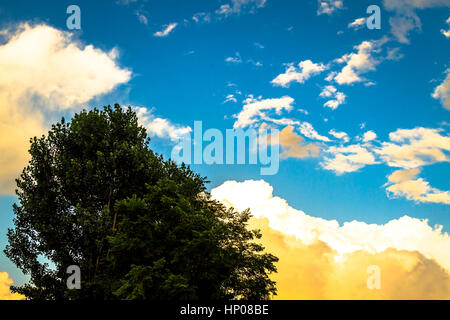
184,76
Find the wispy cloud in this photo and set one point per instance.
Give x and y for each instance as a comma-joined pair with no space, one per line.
442,92
357,24
329,6
167,29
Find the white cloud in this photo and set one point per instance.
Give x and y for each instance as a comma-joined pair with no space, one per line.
142,17
306,69
202,17
347,159
446,33
403,183
45,70
394,54
321,259
408,149
254,110
259,45
340,135
369,136
357,63
419,190
160,127
406,18
331,91
405,233
230,98
413,148
224,10
166,30
236,59
357,23
236,7
308,131
329,6
442,91
303,111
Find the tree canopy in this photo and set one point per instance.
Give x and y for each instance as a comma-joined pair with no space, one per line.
139,227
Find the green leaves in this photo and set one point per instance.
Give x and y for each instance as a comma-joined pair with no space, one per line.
140,227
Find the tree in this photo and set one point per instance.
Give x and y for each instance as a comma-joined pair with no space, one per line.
138,226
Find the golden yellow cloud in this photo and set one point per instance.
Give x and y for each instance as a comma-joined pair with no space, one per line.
321,259
44,70
315,271
5,293
294,146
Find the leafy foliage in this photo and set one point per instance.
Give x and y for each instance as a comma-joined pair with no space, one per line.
95,195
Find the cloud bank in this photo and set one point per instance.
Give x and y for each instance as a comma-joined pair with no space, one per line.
43,71
321,259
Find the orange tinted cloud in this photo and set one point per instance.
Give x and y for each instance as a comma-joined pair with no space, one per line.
5,293
321,259
315,271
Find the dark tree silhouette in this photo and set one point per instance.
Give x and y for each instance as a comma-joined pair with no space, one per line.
139,227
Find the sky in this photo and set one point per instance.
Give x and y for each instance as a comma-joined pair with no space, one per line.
363,116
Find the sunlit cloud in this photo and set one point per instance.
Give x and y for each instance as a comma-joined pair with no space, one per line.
5,292
321,259
306,69
45,70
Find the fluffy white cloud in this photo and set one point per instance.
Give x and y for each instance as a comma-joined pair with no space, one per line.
331,92
160,127
255,110
329,6
442,91
321,259
340,135
306,69
347,158
413,148
403,183
50,63
409,149
405,233
369,136
45,70
357,23
357,63
167,29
